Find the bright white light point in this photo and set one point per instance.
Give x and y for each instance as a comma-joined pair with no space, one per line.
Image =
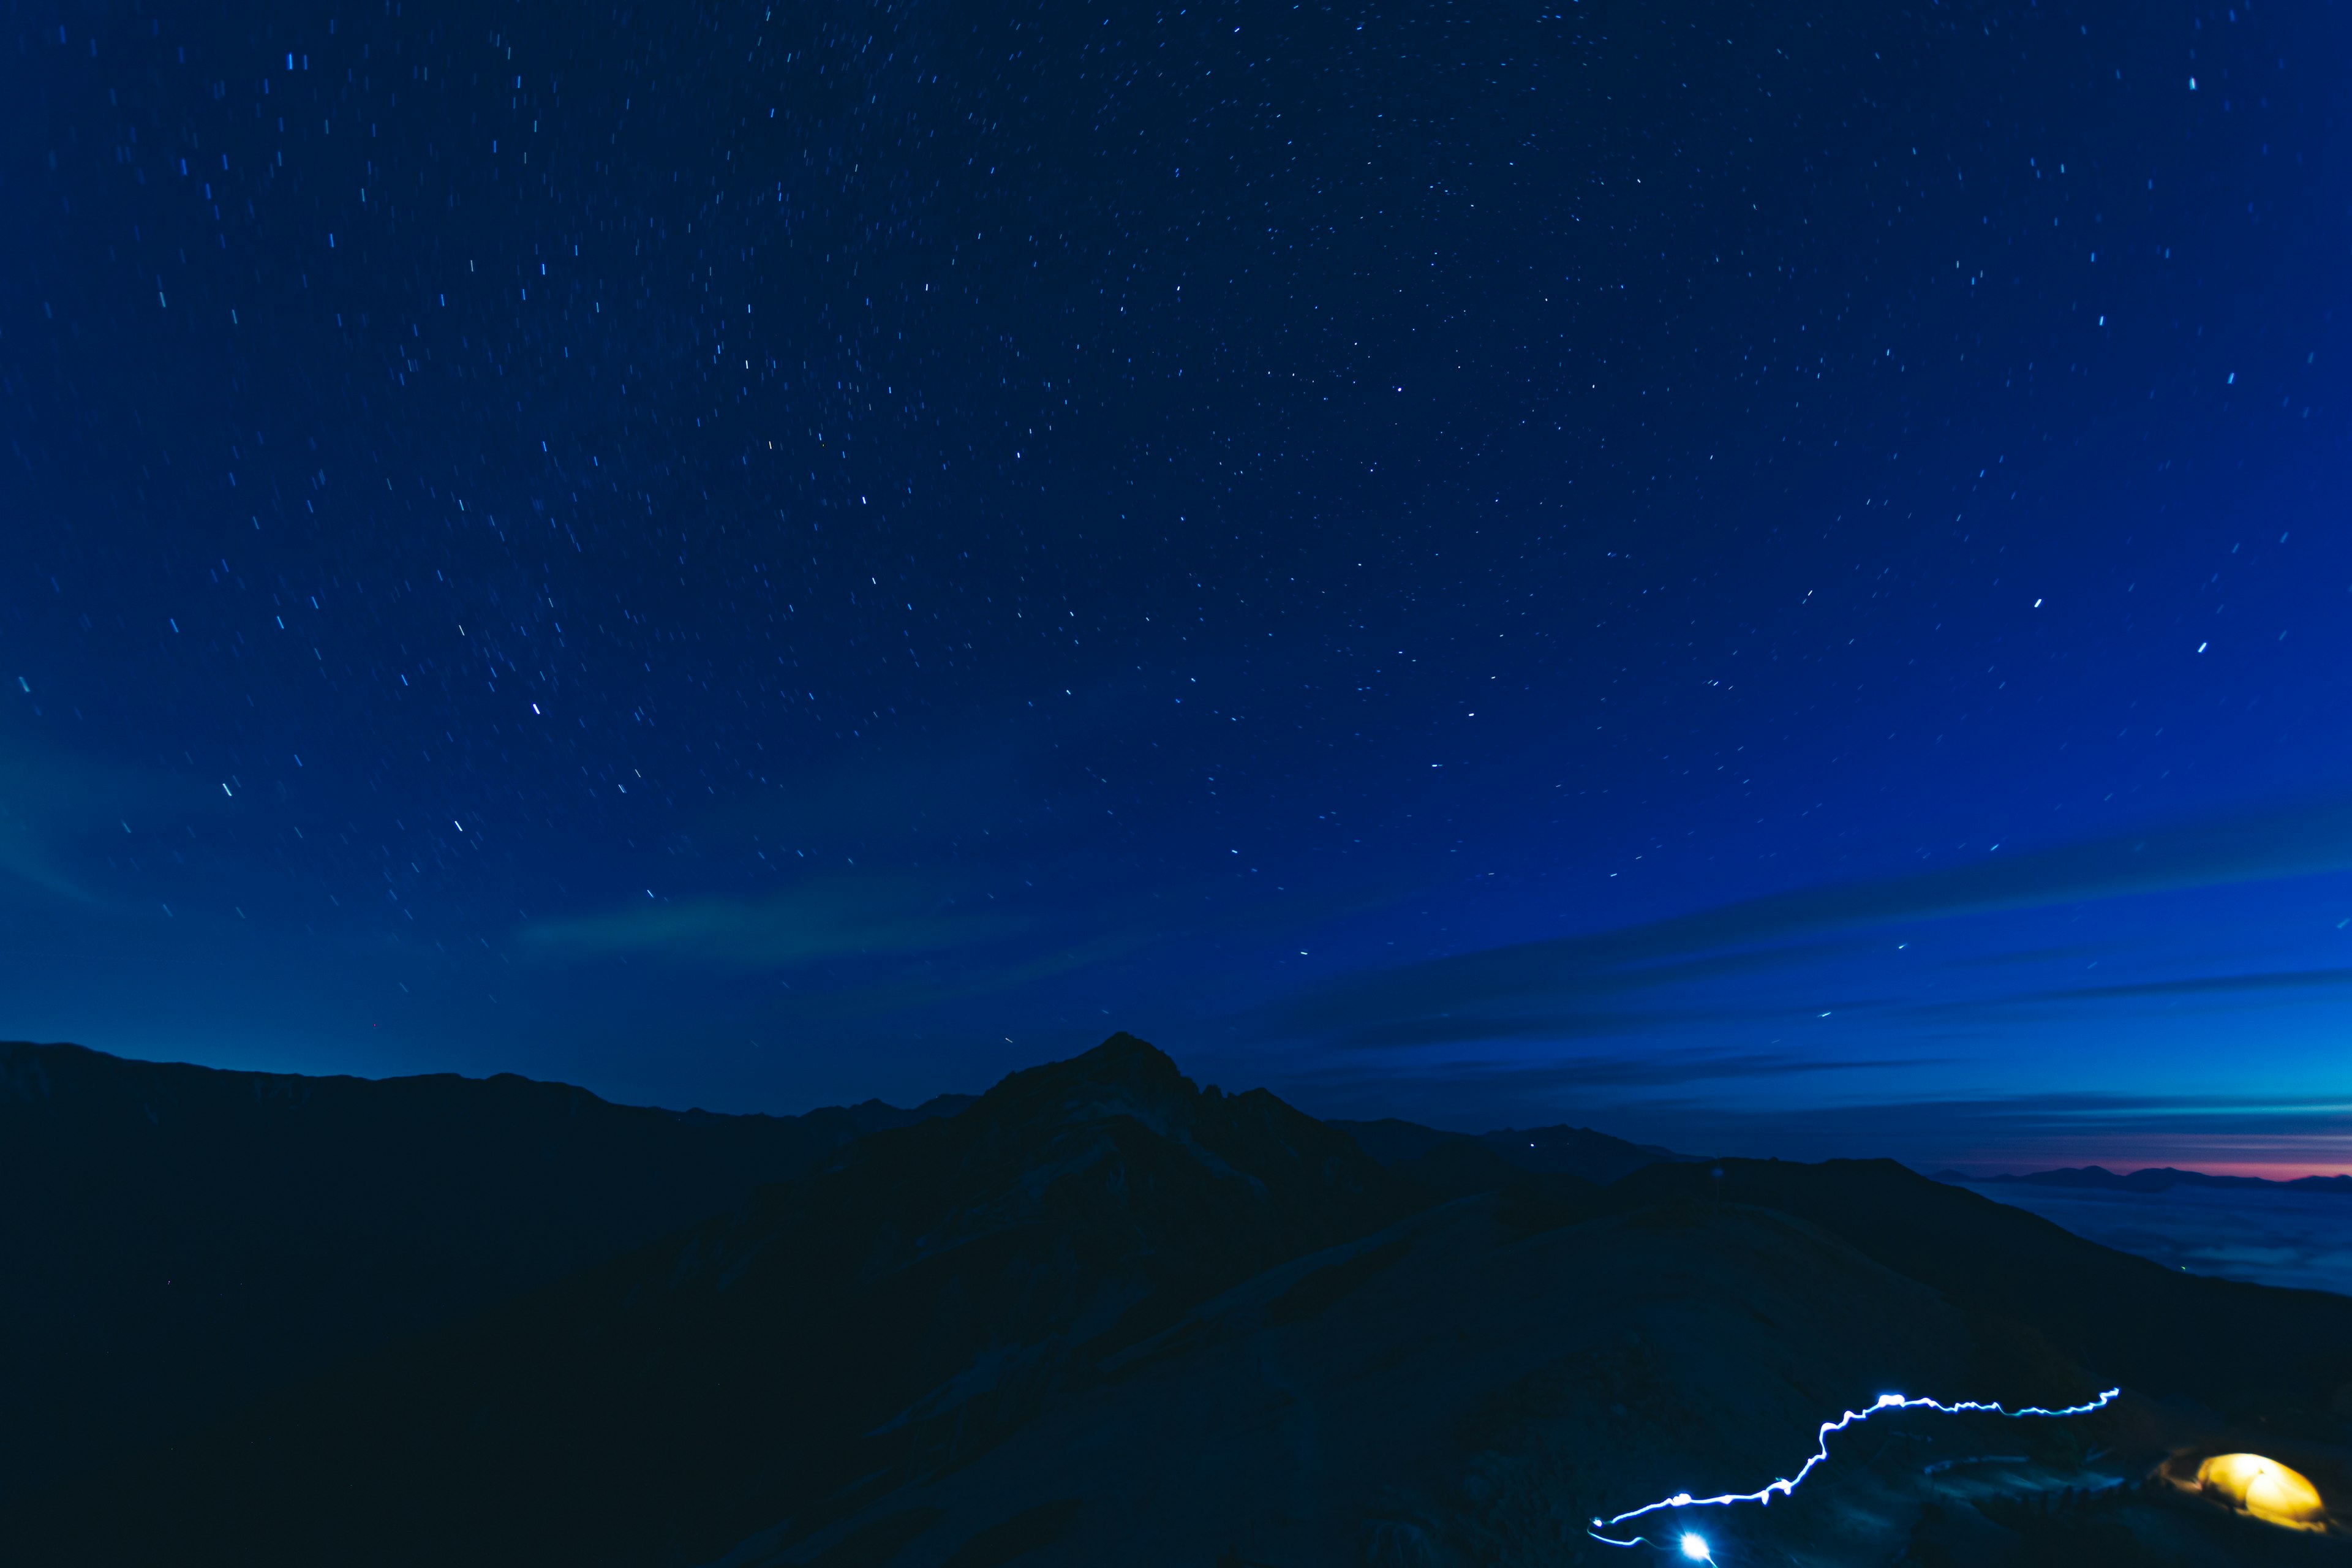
459,825
1695,1547
1885,1399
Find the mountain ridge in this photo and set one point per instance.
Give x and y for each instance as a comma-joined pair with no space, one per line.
196,1237
909,1302
2157,1179
1101,1298
1573,1150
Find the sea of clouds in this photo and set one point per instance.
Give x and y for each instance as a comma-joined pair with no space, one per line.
2298,1240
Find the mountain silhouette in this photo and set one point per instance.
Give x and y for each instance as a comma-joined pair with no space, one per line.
2160,1178
184,1241
904,1307
1567,1151
1103,1314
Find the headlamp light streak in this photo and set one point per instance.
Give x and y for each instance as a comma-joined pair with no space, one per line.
1820,1455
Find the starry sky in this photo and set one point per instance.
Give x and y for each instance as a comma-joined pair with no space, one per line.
1773,579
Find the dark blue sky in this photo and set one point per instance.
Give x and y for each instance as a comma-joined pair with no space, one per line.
1769,578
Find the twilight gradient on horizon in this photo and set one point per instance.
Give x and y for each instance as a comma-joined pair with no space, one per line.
1776,583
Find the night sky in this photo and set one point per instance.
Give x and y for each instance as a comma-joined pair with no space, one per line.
1769,578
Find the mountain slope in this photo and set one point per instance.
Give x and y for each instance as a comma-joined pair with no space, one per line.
1562,1150
894,1313
1466,1387
1578,1152
2125,1319
185,1239
1462,1392
1103,1315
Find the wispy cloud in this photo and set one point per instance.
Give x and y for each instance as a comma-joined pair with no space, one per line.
2286,980
1677,1097
1643,1070
1508,992
880,914
51,801
1600,997
2237,992
2288,1134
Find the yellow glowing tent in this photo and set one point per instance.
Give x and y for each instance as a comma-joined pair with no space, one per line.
2265,1489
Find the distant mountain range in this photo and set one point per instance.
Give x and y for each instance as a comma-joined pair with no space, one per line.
1103,1314
2156,1179
180,1241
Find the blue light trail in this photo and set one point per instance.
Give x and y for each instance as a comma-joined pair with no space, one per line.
1820,1455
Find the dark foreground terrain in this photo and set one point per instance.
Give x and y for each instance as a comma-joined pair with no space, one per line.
1103,1315
179,1240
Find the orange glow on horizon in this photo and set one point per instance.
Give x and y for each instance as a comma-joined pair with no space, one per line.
2279,1171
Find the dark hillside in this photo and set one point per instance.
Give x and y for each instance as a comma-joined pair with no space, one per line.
2259,1355
1552,1151
1105,1315
1576,1152
179,1240
894,1313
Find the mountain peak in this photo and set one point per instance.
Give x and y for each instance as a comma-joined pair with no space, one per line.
1122,1059
1122,1077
